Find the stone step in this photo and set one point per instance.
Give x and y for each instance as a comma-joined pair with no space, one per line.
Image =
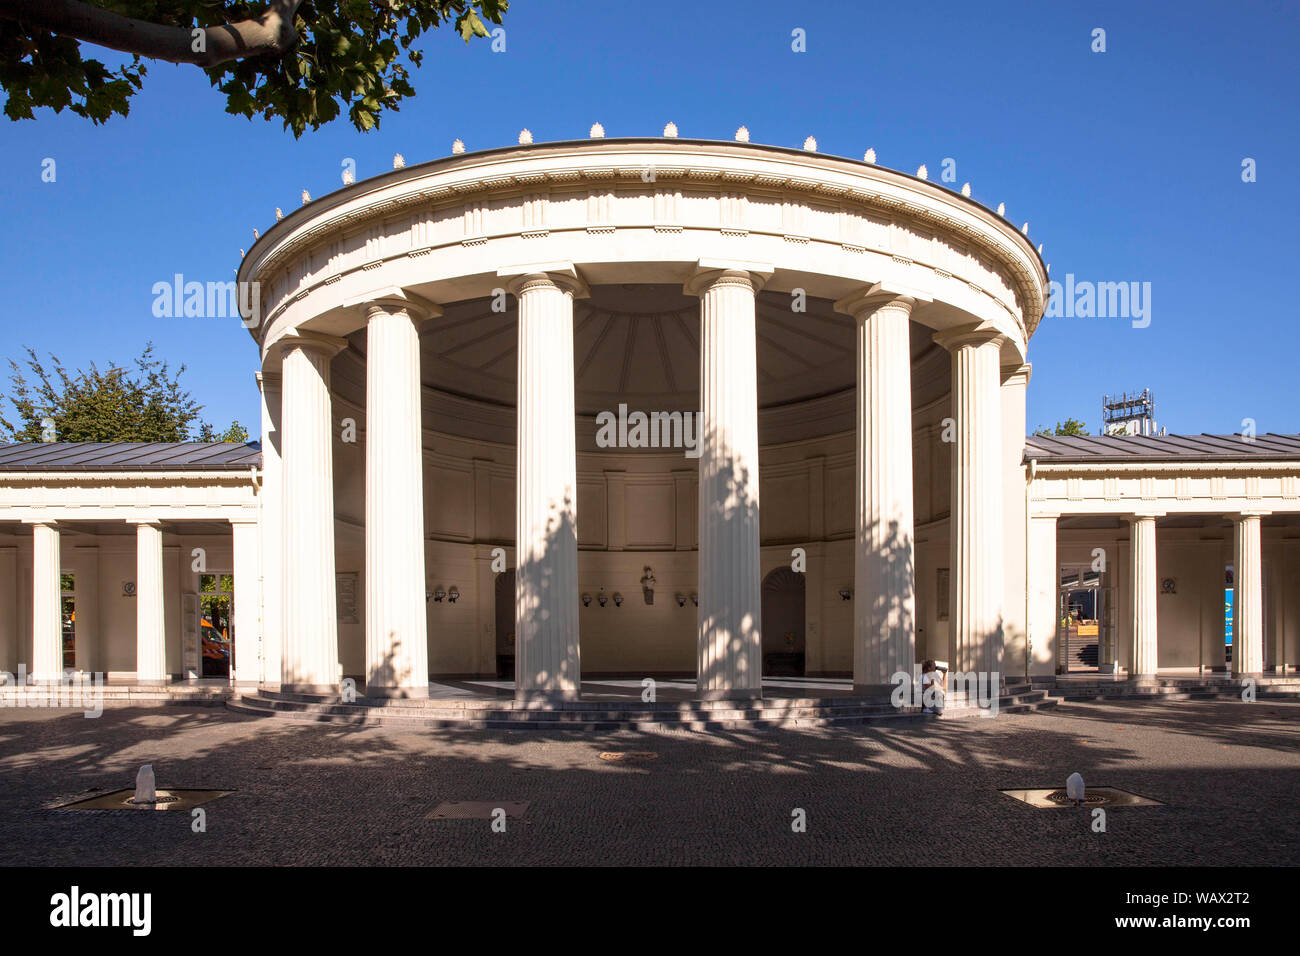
368,717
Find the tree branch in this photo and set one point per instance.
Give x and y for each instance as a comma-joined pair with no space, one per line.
272,32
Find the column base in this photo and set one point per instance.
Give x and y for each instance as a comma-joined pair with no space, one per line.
875,690
316,690
152,681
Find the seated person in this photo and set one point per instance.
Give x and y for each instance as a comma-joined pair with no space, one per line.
931,688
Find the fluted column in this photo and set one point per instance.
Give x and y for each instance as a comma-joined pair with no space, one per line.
397,650
47,612
271,534
547,651
1143,581
884,608
975,525
150,626
729,657
309,621
245,538
1247,596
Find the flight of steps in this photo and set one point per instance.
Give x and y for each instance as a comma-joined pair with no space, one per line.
1019,698
1177,688
588,715
75,696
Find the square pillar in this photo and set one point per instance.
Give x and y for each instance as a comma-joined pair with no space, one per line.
150,621
245,540
47,603
1247,596
1144,583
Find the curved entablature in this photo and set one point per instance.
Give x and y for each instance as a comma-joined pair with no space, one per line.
647,212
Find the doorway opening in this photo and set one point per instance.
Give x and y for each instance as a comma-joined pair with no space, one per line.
1085,621
505,624
216,608
784,651
68,614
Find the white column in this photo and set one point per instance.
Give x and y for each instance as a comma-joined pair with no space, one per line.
975,525
729,657
397,649
271,506
47,611
1143,584
245,540
1247,596
150,622
884,588
1043,583
309,616
547,652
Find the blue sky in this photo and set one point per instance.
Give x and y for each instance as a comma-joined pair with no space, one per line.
1127,165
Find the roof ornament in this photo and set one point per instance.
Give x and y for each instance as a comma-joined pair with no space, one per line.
457,148
255,235
1002,209
597,131
306,197
742,135
869,157
525,138
810,144
965,190
349,177
399,161
922,172
671,130
1025,229
278,215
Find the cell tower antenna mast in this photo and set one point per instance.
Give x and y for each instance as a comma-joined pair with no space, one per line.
1129,413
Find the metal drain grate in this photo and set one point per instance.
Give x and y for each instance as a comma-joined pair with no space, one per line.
477,809
629,756
174,798
1049,798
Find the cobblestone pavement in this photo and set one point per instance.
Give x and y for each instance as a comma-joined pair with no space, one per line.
322,794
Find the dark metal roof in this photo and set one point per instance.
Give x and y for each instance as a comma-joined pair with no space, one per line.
1138,448
129,456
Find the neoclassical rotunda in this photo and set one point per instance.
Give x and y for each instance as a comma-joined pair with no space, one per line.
849,342
623,409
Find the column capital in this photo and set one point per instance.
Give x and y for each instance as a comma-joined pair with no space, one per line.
148,521
242,519
563,275
975,334
1240,515
41,522
308,341
391,299
267,380
1137,516
871,298
708,272
1016,374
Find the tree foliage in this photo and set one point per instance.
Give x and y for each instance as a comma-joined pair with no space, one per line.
146,403
1071,426
302,61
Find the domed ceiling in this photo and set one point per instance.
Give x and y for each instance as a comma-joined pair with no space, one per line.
639,344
